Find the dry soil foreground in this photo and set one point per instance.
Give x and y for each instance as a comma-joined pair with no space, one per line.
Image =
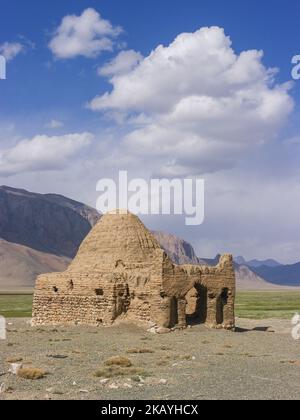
198,363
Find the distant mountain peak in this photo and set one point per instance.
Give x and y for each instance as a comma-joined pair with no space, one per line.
45,222
255,263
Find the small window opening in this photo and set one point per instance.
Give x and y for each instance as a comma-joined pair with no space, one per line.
99,292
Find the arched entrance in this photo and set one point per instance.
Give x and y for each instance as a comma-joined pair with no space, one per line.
221,303
197,305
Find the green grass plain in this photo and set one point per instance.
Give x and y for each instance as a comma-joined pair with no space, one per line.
263,305
251,305
15,306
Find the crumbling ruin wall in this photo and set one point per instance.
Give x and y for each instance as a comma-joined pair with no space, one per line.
212,298
121,272
98,298
73,299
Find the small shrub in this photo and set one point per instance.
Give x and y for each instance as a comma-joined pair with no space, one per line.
140,351
31,373
186,357
119,361
117,371
162,363
14,360
165,348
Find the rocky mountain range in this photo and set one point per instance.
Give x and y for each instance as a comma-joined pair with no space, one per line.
47,223
290,274
20,265
180,251
257,263
41,233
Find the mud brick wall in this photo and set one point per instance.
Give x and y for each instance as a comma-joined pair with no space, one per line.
121,272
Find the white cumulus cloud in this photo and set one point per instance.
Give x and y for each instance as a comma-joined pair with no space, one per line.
196,106
10,50
86,35
54,124
125,62
42,153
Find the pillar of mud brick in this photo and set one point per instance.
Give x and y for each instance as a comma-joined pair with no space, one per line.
211,319
228,312
182,303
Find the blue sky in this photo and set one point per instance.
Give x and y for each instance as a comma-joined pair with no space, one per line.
35,80
252,204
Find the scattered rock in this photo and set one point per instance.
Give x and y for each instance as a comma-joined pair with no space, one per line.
57,356
15,367
113,386
163,330
104,381
2,388
163,382
83,391
54,391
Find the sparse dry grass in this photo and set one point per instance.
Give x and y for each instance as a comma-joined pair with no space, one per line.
165,348
162,363
14,359
31,373
186,357
291,362
140,351
117,371
120,366
120,361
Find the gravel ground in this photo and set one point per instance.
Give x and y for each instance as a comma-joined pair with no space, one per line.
197,363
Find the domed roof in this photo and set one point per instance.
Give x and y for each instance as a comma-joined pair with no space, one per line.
118,240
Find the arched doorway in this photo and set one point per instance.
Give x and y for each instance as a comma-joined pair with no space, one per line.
197,305
173,312
221,303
